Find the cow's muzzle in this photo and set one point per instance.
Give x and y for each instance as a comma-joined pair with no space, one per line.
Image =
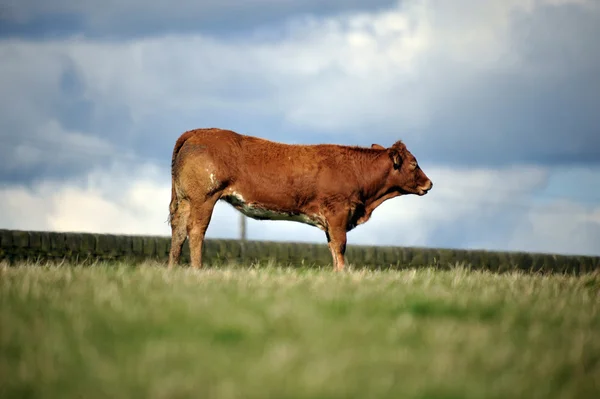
425,189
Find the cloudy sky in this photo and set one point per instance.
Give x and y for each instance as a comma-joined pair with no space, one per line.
499,101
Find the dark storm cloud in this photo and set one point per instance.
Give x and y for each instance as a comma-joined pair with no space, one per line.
135,18
509,119
56,131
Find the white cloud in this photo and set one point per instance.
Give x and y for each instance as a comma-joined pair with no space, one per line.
560,226
105,202
325,73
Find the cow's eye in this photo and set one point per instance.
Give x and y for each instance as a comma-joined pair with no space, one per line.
413,165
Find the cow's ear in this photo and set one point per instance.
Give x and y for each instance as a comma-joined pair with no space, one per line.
396,158
377,147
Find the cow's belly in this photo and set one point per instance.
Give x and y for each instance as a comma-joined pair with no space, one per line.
260,211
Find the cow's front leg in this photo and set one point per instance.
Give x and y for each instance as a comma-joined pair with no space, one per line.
336,240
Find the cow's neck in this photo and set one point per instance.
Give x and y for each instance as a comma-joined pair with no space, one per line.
376,188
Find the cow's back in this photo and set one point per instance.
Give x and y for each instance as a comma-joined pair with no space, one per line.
276,175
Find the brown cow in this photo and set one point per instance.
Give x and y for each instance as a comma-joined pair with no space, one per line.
332,187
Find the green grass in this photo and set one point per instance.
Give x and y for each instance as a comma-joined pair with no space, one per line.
146,332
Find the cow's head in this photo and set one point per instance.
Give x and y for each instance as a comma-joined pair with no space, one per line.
406,175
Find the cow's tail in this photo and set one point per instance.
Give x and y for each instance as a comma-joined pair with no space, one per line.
174,191
173,204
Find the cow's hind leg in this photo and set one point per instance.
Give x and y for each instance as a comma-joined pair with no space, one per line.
200,215
179,222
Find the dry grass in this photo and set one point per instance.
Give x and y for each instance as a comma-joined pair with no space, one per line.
119,331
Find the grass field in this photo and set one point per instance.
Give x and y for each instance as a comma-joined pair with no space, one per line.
117,331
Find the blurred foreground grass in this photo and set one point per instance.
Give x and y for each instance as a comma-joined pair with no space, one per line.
117,331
